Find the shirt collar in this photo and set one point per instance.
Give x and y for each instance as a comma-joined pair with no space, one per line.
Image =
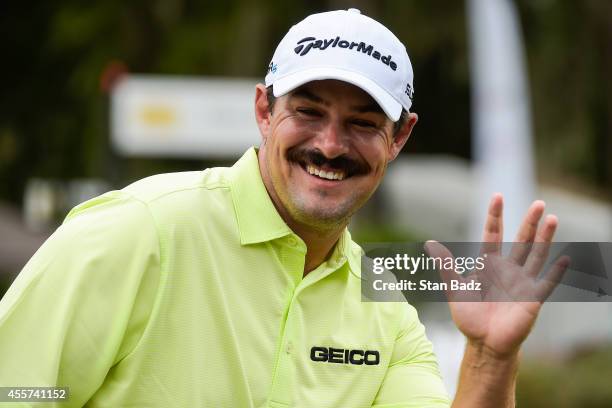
258,219
351,251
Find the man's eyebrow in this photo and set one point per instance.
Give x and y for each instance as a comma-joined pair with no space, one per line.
371,107
367,108
306,94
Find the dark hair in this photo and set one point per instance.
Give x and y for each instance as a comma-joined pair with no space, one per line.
271,97
397,125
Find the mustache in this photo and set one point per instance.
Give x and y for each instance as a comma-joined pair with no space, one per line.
314,156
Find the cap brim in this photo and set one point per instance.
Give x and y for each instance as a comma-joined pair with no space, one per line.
389,105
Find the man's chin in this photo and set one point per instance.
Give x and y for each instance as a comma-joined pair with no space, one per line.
321,212
320,218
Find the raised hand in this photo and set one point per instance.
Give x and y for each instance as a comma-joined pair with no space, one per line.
501,317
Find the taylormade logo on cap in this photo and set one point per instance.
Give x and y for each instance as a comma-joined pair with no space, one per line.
347,46
308,43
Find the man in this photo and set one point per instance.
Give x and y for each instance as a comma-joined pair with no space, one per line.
240,287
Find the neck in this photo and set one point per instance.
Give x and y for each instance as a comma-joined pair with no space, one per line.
319,241
319,244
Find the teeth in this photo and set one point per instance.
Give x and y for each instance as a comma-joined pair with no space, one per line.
329,175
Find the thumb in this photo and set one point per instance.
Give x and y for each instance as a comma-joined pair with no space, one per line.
436,250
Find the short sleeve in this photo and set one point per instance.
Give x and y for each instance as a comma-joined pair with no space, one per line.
413,379
81,303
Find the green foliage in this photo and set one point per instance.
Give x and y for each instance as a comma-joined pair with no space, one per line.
569,47
54,117
538,385
582,382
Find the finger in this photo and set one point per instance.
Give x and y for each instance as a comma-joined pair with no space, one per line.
539,251
436,250
554,275
494,227
527,232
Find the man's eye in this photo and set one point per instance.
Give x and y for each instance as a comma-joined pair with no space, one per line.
309,112
364,123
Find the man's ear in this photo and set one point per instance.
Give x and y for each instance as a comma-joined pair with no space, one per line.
401,137
262,111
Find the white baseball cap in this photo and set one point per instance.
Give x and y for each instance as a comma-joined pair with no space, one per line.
348,46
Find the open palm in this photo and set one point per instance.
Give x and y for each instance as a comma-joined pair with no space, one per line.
502,317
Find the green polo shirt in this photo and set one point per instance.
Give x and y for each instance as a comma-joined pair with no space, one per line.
187,290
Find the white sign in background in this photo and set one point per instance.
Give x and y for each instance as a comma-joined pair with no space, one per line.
159,116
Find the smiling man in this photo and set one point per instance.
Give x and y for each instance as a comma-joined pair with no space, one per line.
240,287
325,149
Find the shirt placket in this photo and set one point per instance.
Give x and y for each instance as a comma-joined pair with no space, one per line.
283,384
292,258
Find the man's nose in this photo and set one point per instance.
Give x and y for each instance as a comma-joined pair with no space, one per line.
332,141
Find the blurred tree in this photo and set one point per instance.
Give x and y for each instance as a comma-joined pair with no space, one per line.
53,116
581,381
569,47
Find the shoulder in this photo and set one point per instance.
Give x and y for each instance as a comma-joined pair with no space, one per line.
153,198
157,187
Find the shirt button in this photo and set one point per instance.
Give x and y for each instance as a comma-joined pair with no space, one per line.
289,348
292,241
